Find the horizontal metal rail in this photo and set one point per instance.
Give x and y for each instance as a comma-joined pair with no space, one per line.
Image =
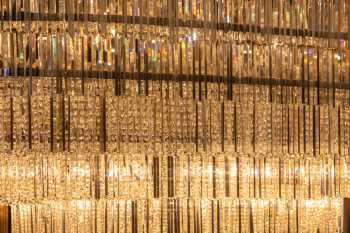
142,76
163,21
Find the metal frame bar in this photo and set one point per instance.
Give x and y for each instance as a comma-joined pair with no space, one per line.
142,76
162,21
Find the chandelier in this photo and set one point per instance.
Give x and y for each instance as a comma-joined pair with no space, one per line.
175,116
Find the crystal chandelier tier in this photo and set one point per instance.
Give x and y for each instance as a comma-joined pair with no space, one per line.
177,116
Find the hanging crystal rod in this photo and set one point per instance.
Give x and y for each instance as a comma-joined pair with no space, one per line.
162,21
143,76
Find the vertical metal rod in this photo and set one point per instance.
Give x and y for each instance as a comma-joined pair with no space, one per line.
11,124
103,126
29,122
346,216
5,219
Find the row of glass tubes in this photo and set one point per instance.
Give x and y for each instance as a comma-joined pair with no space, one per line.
37,177
180,215
314,15
198,65
119,124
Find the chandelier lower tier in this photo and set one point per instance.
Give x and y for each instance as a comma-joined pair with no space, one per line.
90,164
121,116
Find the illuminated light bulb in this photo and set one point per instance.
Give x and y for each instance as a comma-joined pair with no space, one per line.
233,170
338,56
268,172
247,51
194,36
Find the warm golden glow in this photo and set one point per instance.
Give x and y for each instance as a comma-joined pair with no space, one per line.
189,116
